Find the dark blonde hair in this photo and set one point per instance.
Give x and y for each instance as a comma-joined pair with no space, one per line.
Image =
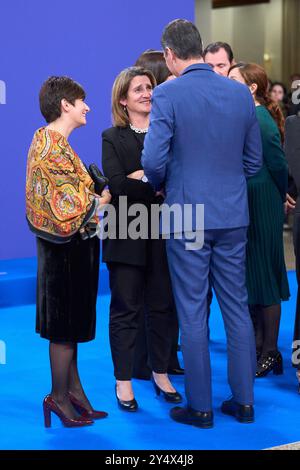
254,73
120,89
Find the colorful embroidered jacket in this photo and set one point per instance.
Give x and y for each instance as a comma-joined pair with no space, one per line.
59,191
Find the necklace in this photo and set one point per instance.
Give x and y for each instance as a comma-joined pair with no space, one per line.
138,130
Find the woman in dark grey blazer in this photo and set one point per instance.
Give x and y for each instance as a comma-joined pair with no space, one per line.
138,267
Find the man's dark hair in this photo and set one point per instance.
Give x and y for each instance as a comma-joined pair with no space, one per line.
183,38
53,90
214,47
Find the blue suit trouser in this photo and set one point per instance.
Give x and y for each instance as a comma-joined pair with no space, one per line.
220,262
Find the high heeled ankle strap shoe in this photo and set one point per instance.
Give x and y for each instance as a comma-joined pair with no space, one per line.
171,397
126,405
50,406
83,411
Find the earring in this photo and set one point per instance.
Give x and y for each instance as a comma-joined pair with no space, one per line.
125,109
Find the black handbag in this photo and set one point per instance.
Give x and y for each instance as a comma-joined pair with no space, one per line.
99,179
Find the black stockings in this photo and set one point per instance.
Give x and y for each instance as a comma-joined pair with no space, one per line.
266,321
65,377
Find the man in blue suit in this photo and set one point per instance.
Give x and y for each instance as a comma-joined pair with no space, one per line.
203,142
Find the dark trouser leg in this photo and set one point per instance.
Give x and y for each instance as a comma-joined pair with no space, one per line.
127,301
174,333
141,369
159,303
228,274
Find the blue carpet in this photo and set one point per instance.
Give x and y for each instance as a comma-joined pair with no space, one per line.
25,379
19,275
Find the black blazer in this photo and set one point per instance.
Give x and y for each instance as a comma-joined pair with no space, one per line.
121,155
292,152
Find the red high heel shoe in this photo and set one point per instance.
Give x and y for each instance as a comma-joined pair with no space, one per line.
50,406
91,414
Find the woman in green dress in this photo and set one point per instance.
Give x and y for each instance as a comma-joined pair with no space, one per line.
267,282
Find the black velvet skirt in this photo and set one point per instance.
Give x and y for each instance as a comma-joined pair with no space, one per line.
67,285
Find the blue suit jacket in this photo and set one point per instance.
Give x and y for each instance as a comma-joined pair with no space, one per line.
203,142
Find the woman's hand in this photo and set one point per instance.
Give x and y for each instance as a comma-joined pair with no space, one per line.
290,204
136,175
105,197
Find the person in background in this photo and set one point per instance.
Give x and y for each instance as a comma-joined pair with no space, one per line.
294,95
138,269
292,151
155,62
61,207
267,282
219,56
278,94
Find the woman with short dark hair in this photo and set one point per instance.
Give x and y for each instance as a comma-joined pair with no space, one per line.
61,210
